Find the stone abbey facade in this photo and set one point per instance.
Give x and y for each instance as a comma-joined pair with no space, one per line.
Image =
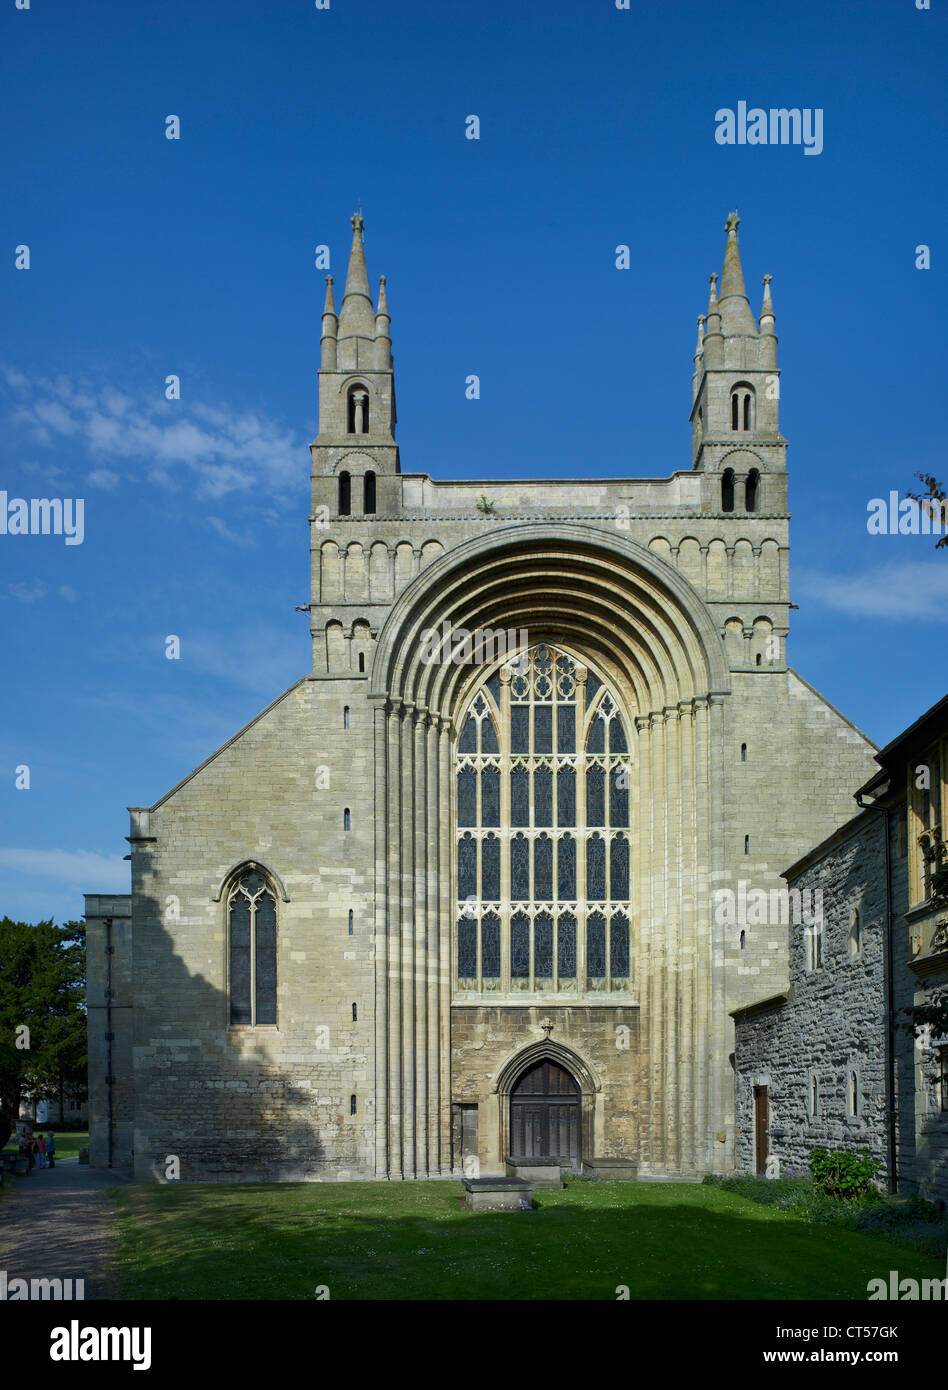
450,898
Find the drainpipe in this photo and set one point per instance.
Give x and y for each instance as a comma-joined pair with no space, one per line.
890,999
109,949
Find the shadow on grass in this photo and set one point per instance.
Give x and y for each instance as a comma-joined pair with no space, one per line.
416,1241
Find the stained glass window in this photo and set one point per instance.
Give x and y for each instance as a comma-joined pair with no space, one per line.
543,815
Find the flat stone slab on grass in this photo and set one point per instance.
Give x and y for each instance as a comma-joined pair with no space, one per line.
612,1169
541,1172
497,1194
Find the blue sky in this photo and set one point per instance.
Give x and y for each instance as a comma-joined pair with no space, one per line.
195,257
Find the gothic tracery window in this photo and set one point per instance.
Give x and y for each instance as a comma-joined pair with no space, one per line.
251,925
543,833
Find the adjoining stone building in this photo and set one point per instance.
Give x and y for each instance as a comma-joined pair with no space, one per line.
444,901
833,1061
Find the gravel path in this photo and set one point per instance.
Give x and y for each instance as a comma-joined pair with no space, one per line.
61,1224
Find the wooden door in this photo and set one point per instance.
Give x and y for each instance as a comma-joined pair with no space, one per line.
761,1128
545,1115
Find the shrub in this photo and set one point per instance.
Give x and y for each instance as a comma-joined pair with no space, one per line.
844,1175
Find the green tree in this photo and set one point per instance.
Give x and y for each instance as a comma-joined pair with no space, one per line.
42,1014
933,501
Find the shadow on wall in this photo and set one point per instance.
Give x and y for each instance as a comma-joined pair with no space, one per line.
211,1104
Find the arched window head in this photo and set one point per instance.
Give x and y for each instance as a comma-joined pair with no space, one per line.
368,494
855,932
351,921
752,491
814,1096
362,661
251,931
352,1105
743,939
742,407
345,494
853,1095
760,660
345,717
346,819
743,752
727,490
357,412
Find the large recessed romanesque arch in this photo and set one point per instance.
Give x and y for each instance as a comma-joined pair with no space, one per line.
637,620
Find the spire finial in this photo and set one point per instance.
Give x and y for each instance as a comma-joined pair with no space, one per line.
358,223
732,223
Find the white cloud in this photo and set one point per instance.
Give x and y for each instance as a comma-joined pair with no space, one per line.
93,872
224,531
220,449
914,589
28,590
67,592
104,478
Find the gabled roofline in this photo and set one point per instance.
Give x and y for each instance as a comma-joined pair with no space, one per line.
829,705
224,746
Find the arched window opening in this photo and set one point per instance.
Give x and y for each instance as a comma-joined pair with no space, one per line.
743,752
752,491
727,490
251,925
747,844
562,850
814,1096
853,1095
760,660
345,494
362,661
345,717
351,921
747,412
346,819
355,1013
735,409
357,410
743,939
855,933
352,1105
368,494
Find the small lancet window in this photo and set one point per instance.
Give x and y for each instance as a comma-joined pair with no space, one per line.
368,494
752,491
355,1013
747,844
855,933
345,494
743,752
345,717
853,1094
358,410
362,661
351,921
747,412
352,1105
727,490
743,939
346,819
735,410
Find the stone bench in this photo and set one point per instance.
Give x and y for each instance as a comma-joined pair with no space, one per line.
611,1169
540,1172
497,1194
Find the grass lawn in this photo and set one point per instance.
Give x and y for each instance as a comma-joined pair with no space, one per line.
416,1241
68,1141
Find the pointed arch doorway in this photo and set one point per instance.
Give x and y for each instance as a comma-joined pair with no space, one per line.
546,1114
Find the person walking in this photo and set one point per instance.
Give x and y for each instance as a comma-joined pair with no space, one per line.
40,1151
51,1148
